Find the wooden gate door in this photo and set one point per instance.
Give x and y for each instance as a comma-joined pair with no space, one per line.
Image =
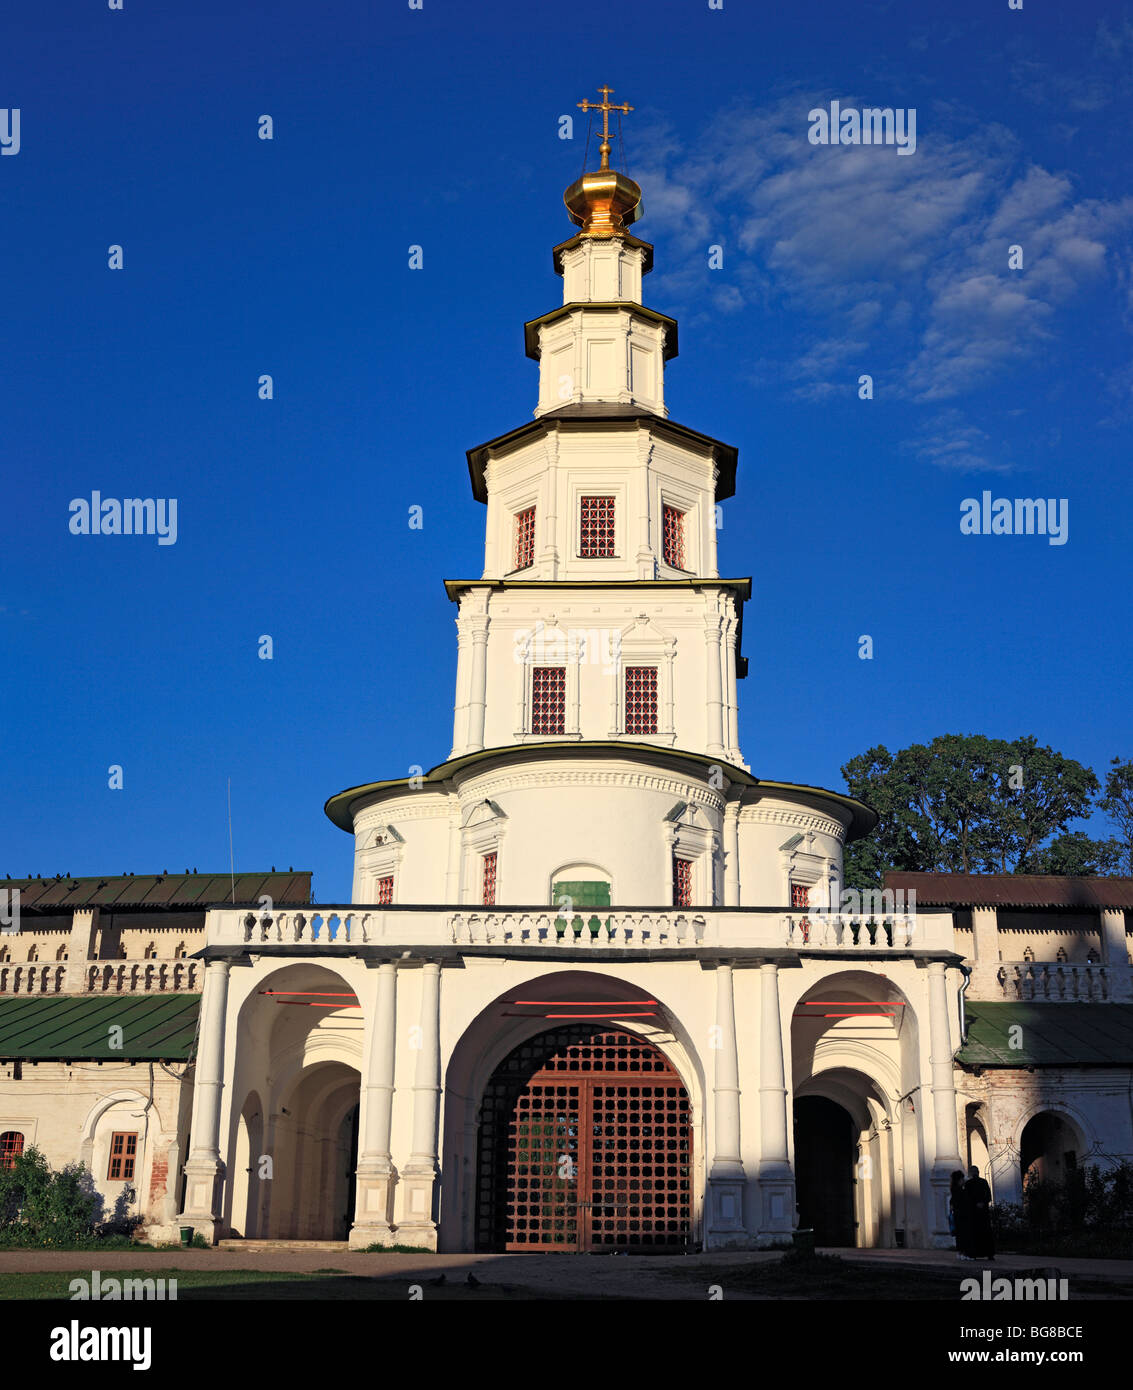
585,1144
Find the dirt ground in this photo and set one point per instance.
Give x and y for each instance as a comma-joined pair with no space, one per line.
648,1278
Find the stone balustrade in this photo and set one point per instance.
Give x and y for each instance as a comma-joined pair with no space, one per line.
102,977
1051,981
349,926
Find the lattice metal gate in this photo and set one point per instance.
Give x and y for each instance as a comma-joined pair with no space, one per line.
585,1144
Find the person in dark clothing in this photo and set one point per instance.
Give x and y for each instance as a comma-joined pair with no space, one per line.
960,1215
978,1196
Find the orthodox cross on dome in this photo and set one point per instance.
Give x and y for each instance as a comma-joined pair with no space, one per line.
605,106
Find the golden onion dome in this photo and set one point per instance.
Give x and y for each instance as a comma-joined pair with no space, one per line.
603,203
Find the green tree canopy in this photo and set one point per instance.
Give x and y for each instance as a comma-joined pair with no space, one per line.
965,803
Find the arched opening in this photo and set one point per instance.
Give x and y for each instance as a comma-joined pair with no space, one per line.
978,1151
291,1144
825,1153
857,1156
584,1142
315,1155
1049,1148
249,1170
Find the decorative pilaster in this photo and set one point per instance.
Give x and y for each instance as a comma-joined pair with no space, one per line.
80,948
375,1175
947,1157
714,693
731,695
204,1170
478,695
417,1226
1115,947
732,854
776,1181
725,1220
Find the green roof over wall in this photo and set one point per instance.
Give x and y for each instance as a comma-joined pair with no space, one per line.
61,1027
1052,1035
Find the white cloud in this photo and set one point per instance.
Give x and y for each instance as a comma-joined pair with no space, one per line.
897,263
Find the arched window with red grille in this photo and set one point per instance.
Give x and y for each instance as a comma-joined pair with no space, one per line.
11,1147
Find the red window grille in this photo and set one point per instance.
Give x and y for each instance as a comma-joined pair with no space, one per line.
673,529
596,532
385,891
548,700
800,899
525,538
123,1152
11,1147
490,879
682,882
641,699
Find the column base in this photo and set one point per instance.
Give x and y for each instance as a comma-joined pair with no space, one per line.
375,1181
777,1203
940,1189
724,1218
417,1226
204,1180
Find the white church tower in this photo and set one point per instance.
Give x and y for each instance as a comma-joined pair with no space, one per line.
586,995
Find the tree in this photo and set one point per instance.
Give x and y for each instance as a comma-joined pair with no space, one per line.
965,803
1117,803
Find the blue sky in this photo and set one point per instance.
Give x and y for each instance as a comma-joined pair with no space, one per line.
439,127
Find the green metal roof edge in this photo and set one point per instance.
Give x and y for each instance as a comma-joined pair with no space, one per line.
65,1027
339,808
1103,1024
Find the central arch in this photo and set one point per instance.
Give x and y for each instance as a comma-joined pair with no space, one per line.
825,1153
584,1142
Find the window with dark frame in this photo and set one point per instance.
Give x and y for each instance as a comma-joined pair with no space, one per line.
682,882
385,891
525,538
673,537
800,896
641,700
596,528
490,879
11,1147
123,1152
548,700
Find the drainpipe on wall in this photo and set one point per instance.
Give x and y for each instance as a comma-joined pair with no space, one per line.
967,969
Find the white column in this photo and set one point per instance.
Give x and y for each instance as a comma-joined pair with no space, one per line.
732,854
724,1226
203,1170
714,691
477,702
776,1181
947,1155
375,1174
417,1226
